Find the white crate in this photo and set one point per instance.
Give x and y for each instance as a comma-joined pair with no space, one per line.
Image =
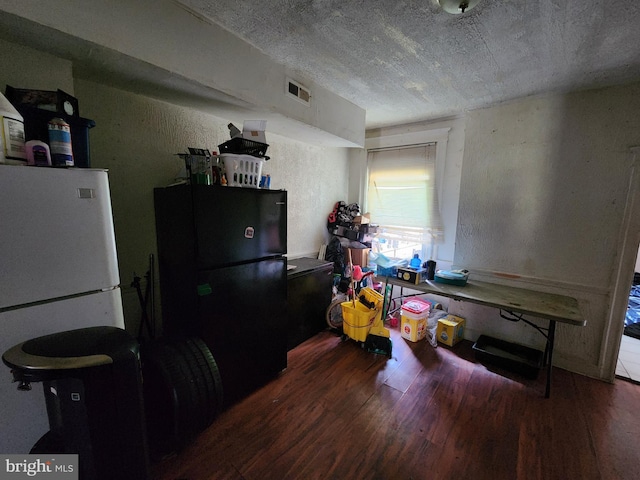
242,170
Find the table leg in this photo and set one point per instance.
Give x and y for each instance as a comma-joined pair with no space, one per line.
550,341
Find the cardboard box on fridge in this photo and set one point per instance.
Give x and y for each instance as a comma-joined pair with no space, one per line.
254,130
360,256
450,330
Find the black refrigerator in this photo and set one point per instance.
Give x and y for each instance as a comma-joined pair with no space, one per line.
223,277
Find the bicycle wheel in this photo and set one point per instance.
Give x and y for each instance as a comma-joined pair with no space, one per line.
334,311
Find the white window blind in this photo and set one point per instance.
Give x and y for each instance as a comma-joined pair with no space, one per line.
401,195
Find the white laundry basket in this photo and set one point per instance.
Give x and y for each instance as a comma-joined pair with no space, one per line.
242,170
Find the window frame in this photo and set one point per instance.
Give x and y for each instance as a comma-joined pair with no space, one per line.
438,136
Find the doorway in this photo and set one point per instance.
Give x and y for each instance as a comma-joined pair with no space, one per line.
628,363
628,366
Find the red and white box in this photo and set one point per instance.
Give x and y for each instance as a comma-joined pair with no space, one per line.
413,320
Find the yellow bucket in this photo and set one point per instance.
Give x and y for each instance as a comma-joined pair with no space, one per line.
357,320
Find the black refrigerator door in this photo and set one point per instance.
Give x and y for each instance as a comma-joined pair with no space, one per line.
243,320
235,225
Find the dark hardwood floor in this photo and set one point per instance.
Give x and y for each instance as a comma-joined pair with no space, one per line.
339,412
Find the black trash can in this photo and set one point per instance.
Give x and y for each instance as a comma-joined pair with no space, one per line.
93,393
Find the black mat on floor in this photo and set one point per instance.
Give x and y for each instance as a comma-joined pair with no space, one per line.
633,330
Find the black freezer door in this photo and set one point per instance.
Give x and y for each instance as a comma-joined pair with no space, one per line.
243,320
248,224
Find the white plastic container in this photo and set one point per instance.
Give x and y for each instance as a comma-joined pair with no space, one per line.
11,133
242,170
413,320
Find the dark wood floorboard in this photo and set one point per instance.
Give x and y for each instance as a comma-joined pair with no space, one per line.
339,412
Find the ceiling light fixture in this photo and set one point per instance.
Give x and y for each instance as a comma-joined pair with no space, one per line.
457,6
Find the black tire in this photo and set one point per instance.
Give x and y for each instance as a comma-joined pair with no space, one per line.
206,375
182,390
168,398
217,394
190,371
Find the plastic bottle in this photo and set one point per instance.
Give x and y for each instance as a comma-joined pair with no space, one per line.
60,143
11,133
415,261
38,153
215,168
431,269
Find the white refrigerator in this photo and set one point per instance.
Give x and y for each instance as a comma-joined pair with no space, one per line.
58,271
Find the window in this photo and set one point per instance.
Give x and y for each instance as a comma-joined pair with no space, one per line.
402,199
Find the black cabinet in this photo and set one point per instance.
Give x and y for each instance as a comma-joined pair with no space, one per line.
309,295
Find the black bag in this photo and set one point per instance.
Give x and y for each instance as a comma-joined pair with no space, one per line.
335,254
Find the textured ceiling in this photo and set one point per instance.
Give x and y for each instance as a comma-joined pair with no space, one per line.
406,61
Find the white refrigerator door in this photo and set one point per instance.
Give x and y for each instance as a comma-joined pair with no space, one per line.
56,233
24,415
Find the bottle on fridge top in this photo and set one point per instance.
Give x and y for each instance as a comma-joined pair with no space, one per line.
11,133
38,153
60,143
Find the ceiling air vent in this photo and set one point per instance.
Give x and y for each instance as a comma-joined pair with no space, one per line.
297,91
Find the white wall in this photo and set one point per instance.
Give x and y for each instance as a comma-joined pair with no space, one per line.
24,67
543,193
